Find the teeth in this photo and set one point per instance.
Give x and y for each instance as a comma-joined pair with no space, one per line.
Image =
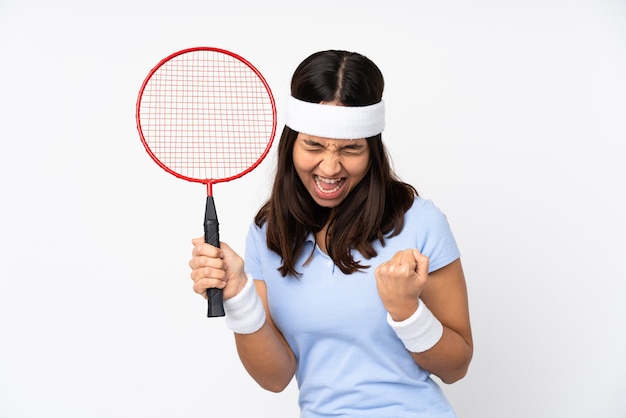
329,181
320,180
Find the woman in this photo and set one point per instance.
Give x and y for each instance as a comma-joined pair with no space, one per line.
352,282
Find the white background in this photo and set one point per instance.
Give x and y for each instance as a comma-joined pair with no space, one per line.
510,115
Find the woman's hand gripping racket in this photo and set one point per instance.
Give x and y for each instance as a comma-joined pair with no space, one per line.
206,115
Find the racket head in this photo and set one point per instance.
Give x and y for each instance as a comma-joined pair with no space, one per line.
206,115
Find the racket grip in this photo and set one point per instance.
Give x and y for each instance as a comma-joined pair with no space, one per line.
212,236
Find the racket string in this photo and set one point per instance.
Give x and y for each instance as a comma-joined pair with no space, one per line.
207,115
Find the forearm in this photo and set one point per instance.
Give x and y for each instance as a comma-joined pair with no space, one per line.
434,346
445,295
448,359
262,349
266,358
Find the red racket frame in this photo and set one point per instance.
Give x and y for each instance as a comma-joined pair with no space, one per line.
208,182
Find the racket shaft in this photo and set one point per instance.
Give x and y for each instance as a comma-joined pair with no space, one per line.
211,236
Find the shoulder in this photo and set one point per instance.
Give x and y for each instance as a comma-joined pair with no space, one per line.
430,228
254,229
256,236
424,211
256,250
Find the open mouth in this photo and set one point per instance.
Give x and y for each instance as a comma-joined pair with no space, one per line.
329,186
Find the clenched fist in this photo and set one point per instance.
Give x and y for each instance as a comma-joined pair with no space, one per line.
400,282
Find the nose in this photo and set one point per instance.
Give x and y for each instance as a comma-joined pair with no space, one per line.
330,164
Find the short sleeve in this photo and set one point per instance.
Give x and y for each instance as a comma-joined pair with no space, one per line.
255,241
434,235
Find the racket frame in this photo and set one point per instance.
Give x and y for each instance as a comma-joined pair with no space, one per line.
209,182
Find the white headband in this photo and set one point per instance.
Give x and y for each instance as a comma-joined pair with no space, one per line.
337,122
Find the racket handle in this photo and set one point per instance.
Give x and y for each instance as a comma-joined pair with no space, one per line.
212,236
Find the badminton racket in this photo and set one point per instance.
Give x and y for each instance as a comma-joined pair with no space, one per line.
206,115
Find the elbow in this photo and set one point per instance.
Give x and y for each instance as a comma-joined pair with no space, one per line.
274,389
275,382
455,376
273,386
459,371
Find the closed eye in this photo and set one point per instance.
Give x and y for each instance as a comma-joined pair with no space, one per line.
352,148
313,144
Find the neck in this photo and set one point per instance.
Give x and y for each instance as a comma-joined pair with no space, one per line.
320,238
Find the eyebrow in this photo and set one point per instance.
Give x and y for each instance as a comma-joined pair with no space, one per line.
310,141
351,145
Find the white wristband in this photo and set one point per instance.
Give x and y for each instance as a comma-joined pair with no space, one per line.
244,312
419,332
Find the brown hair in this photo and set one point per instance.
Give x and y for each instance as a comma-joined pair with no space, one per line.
374,209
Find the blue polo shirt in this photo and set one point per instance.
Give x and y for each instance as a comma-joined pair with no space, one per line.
350,363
